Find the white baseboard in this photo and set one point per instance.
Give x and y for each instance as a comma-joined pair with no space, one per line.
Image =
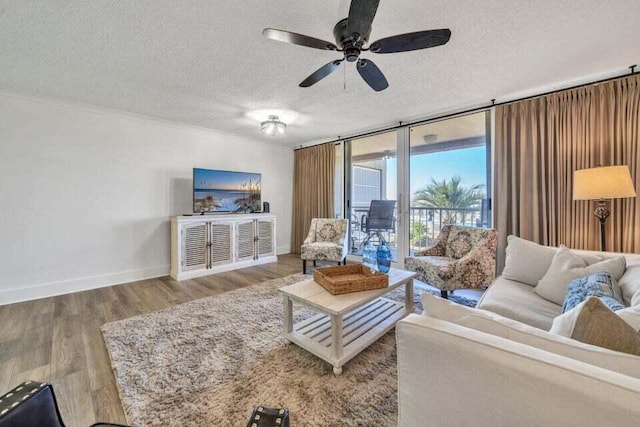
284,249
52,289
44,290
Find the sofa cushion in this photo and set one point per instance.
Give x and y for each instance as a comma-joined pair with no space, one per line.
526,261
518,301
434,270
598,325
567,266
587,256
600,285
592,322
495,324
326,251
564,323
630,285
631,315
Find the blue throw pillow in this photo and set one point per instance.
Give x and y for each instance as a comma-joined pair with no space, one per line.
599,284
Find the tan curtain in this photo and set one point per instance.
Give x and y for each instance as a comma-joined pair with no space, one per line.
312,189
541,141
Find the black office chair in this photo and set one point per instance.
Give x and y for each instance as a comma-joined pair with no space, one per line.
483,221
379,218
33,404
354,226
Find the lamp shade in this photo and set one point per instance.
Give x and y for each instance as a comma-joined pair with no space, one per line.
606,182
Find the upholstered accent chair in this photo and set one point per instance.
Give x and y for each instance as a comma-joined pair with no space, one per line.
326,241
460,258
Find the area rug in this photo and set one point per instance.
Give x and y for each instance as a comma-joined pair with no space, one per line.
210,361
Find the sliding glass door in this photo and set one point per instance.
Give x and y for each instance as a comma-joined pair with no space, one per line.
371,187
405,184
449,179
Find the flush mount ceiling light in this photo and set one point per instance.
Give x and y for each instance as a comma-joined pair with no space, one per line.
430,138
273,126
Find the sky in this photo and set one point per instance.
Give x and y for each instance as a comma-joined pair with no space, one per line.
468,163
222,180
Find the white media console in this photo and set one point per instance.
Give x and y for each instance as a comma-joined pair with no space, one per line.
208,244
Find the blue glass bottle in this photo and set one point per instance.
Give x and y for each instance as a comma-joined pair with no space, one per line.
369,255
383,257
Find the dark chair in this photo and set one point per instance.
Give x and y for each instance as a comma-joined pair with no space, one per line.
33,404
485,207
354,230
379,218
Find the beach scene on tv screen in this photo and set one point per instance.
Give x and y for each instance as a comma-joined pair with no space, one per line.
225,191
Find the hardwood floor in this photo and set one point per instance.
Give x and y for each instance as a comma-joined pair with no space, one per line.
58,339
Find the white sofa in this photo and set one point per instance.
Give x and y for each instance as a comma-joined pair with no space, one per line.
517,300
498,365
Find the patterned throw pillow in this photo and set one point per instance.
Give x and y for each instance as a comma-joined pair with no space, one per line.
600,285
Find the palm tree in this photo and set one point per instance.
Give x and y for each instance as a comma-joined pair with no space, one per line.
449,194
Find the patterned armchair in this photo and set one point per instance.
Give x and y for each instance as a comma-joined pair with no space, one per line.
462,257
326,241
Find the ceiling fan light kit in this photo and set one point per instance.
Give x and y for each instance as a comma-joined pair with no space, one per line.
273,126
352,35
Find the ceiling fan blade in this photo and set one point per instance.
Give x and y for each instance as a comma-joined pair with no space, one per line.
371,74
321,73
361,14
411,41
299,39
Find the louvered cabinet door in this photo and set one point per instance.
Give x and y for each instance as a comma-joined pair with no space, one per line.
221,248
245,241
265,238
193,246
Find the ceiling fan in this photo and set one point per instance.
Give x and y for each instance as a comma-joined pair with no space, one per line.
352,35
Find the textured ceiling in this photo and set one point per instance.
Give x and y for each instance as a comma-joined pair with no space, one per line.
205,62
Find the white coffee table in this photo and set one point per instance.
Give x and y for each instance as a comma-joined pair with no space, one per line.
347,323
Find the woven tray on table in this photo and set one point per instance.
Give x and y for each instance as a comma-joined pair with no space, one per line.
349,278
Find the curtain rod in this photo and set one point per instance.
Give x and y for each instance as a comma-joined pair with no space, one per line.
475,109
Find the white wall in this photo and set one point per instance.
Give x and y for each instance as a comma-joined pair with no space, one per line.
85,193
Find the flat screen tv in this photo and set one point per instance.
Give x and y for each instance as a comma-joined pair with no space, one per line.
226,191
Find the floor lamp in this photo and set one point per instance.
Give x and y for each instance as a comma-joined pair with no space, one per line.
602,183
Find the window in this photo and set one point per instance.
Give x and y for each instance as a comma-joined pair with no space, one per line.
367,186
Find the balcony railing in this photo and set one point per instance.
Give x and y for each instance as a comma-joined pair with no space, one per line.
424,225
